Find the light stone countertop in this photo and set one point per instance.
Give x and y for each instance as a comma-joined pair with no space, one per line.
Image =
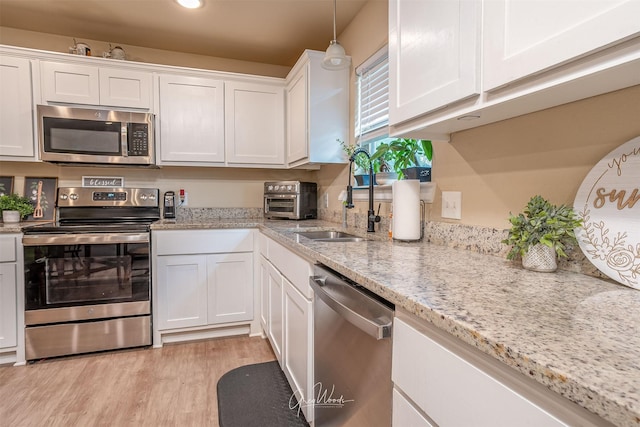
578,335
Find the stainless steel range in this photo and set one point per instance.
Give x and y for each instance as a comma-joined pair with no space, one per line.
88,276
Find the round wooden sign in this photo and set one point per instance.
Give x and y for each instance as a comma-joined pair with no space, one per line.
608,202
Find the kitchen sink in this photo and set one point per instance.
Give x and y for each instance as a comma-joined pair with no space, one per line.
330,236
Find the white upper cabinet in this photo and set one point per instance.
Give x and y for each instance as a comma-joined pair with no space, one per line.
191,117
457,65
254,124
522,38
317,106
434,48
73,83
125,88
16,109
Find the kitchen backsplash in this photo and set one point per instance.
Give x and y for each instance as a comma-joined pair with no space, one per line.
484,240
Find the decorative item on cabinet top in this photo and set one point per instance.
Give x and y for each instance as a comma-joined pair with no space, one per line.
608,202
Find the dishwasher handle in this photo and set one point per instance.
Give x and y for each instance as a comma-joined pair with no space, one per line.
363,312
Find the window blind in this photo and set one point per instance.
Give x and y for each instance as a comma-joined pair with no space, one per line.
372,109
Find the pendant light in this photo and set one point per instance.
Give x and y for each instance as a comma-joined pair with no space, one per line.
335,58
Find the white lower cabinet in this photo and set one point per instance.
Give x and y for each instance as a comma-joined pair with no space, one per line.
274,318
298,333
8,315
440,380
11,299
203,284
288,321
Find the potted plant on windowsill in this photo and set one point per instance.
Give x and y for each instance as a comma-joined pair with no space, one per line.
361,171
539,234
411,158
15,207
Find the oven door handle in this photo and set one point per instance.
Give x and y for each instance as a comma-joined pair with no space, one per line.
84,239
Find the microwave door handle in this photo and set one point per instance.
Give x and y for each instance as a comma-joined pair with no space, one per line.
124,140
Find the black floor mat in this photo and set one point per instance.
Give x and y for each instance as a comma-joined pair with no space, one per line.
257,395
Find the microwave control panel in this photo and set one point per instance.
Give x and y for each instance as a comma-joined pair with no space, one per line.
138,139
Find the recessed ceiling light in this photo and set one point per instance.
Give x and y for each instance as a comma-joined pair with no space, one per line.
190,4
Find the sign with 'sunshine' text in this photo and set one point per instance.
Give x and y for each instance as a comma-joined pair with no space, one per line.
608,202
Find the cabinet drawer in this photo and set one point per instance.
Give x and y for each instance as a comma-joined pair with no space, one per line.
295,268
184,242
405,414
441,382
7,248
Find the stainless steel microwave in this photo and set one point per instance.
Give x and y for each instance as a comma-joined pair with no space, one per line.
91,136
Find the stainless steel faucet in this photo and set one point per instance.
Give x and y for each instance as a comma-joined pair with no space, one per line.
372,218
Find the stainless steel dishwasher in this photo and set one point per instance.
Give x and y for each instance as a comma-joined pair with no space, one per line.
352,353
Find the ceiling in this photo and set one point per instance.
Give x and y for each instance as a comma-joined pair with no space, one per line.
267,31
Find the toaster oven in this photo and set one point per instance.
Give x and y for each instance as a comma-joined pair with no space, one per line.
290,200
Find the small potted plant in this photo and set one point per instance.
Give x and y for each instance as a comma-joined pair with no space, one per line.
539,234
411,158
361,171
15,207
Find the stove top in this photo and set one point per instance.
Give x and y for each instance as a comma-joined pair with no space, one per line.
102,210
87,227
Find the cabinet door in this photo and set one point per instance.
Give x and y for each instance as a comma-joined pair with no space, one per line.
230,287
70,83
433,55
8,305
298,117
275,332
441,382
182,291
264,294
526,37
298,343
16,123
254,123
191,120
125,88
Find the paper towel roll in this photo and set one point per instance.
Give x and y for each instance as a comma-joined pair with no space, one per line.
406,209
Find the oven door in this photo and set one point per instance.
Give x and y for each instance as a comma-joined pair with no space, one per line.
281,206
71,277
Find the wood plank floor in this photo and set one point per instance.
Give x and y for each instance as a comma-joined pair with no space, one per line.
171,386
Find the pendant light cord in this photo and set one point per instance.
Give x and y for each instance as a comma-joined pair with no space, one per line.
334,20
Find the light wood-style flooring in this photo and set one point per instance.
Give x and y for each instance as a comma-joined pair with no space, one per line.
171,386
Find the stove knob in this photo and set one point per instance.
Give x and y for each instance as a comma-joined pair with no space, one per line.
277,187
152,196
73,196
270,188
288,188
64,196
143,196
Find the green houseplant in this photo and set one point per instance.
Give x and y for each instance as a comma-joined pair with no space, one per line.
411,158
15,203
361,162
541,232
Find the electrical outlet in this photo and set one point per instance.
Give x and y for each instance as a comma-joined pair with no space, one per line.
452,204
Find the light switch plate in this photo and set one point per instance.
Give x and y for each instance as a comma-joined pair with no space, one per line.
452,204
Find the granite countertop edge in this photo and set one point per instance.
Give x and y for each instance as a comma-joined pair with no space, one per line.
618,408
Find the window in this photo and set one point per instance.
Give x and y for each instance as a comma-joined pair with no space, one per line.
372,108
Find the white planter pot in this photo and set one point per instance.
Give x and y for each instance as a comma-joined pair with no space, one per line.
9,217
540,258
